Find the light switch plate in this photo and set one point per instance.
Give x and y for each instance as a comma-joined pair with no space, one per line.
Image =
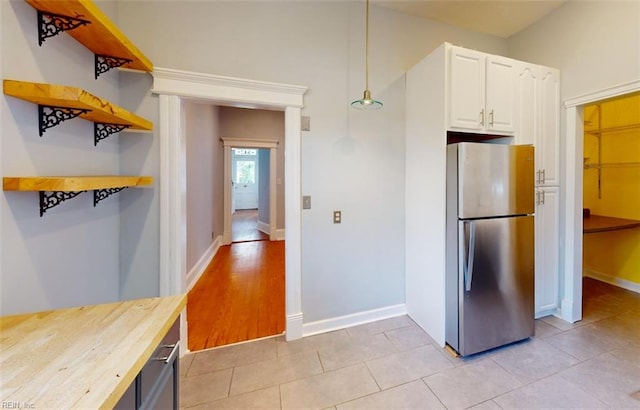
306,202
305,123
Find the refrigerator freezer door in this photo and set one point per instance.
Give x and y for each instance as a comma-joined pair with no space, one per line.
496,266
495,180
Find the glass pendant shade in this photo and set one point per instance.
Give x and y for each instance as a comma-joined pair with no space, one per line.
366,102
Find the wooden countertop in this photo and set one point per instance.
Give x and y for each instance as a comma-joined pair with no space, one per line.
81,357
598,223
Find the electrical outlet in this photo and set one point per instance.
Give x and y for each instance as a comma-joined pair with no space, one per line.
337,217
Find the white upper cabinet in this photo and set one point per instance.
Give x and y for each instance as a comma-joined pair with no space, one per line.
482,92
527,103
548,141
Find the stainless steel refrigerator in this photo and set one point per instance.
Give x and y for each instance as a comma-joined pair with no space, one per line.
490,245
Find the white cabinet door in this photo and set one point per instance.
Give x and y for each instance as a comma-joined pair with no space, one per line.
482,91
548,141
527,103
466,89
547,243
500,94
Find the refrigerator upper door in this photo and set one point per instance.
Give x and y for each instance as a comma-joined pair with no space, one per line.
495,294
495,180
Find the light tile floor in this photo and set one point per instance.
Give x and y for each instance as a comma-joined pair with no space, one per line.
393,364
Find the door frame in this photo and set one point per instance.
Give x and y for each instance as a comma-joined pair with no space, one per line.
571,283
174,86
272,146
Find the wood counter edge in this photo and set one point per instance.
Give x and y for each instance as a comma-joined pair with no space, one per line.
130,376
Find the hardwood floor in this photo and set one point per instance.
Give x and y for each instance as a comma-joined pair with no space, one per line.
244,226
239,297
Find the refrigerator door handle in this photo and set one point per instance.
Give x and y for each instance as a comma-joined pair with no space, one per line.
468,261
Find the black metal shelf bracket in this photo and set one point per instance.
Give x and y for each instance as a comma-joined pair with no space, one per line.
105,63
51,116
50,199
103,130
101,194
50,24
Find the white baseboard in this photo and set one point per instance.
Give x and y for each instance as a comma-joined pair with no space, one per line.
264,227
199,268
612,280
355,319
278,235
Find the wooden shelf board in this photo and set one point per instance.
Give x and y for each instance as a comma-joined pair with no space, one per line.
102,111
102,36
73,183
598,223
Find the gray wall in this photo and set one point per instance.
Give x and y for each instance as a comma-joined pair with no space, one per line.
204,179
351,161
70,256
245,123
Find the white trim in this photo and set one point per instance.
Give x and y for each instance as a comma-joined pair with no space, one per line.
571,301
612,280
173,85
606,93
201,266
278,235
294,327
292,220
355,319
240,92
248,143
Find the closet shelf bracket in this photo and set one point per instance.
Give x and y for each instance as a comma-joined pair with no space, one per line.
104,63
103,130
51,24
50,199
101,194
50,116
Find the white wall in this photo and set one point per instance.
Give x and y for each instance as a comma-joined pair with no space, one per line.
595,44
351,161
264,165
204,179
70,256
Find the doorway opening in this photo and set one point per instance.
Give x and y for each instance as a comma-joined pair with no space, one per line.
572,282
173,86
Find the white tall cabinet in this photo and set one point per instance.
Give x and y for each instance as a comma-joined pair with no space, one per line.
466,91
538,107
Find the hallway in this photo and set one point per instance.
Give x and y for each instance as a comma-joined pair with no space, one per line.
239,297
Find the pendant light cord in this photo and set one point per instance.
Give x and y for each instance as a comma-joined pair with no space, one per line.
366,47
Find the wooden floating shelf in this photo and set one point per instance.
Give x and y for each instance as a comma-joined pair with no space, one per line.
99,110
73,183
56,189
96,32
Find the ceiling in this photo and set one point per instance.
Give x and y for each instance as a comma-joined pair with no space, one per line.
501,18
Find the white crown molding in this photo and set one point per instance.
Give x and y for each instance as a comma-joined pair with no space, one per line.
610,92
238,90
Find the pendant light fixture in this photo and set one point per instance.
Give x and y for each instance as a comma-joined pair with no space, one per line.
366,102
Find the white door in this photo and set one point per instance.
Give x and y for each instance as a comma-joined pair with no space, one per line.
527,103
466,89
500,94
547,274
548,143
244,176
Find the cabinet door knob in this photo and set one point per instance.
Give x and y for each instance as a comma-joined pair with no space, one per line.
482,117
